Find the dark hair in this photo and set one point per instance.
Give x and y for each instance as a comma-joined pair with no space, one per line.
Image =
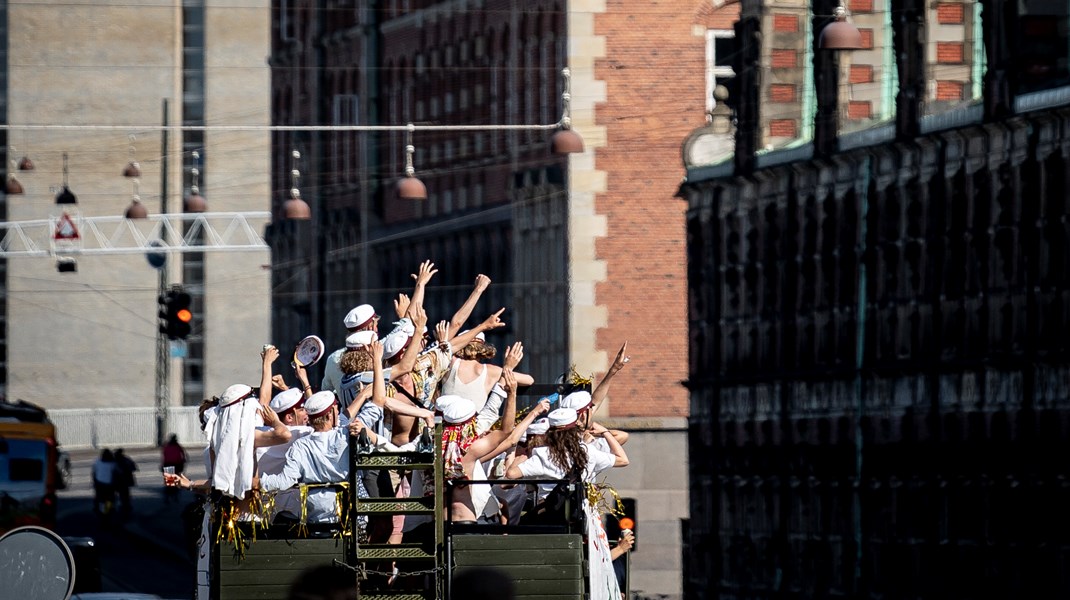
567,449
203,408
107,456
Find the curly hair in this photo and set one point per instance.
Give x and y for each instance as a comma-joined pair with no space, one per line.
356,361
476,350
567,449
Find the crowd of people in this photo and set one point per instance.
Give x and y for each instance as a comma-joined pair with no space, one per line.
385,389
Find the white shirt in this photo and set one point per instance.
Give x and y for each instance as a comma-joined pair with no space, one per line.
332,372
319,457
540,466
271,459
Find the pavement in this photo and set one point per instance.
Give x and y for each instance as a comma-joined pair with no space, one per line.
147,551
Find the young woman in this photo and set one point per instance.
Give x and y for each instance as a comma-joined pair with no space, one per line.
566,456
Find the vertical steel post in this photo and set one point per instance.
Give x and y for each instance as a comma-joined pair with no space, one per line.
163,358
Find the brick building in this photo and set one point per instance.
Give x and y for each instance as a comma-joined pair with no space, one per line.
877,382
587,250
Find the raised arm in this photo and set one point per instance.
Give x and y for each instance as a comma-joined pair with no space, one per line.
600,392
492,322
404,407
513,438
269,355
278,434
358,402
408,359
465,311
378,381
427,271
614,445
302,376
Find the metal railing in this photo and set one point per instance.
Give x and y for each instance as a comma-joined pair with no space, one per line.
78,428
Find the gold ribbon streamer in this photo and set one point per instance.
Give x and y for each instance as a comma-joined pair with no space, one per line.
604,499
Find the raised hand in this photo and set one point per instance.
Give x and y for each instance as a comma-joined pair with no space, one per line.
442,331
377,351
509,383
482,282
494,321
419,317
542,407
401,305
513,355
278,382
269,354
620,360
270,418
427,271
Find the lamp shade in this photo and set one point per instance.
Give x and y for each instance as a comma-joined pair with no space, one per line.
66,196
133,169
840,35
411,188
136,210
296,208
25,164
195,203
12,186
566,141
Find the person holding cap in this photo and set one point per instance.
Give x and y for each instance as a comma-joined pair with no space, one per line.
361,318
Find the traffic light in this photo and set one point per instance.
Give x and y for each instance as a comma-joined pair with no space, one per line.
626,520
175,314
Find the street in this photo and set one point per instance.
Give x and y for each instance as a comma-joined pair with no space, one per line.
146,552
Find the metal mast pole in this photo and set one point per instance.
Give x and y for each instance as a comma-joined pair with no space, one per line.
163,357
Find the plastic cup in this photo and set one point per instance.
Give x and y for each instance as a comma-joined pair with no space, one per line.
168,470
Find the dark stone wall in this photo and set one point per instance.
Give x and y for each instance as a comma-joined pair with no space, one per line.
932,465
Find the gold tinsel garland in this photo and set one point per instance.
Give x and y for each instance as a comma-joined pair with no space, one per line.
258,510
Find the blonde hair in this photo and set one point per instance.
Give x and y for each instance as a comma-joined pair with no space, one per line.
356,361
476,350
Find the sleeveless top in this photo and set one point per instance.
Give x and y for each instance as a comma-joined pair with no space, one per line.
476,390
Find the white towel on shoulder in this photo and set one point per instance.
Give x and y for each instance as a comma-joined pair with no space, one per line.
231,438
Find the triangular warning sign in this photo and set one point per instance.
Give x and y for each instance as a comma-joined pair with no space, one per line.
65,229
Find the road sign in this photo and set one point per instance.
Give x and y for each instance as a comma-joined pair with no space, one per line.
66,229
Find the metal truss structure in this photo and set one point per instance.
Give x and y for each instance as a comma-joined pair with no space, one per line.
70,234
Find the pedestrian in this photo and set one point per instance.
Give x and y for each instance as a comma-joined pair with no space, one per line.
103,479
123,480
174,456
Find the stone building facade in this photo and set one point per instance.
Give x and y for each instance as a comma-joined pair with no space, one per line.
87,339
877,366
586,251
